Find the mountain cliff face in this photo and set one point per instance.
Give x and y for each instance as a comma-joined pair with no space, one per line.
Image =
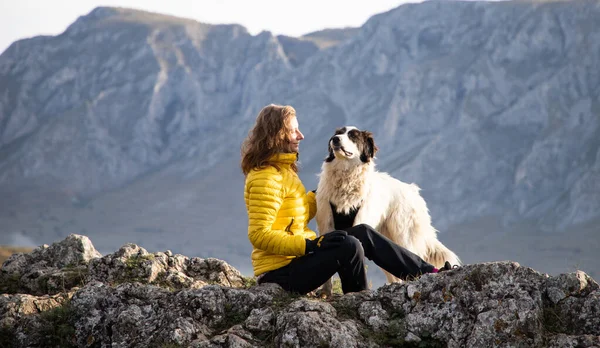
128,125
68,295
122,92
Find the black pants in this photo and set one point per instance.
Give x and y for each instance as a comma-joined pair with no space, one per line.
307,273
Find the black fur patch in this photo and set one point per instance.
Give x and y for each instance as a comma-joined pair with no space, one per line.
367,146
340,131
331,156
343,221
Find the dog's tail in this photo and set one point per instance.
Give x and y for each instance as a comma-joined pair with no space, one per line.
438,254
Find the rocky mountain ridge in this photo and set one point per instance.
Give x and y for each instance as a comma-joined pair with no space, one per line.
68,295
128,125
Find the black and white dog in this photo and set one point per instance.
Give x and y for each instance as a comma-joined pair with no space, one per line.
352,192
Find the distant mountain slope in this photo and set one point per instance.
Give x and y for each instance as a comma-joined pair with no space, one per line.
331,37
122,92
128,125
6,251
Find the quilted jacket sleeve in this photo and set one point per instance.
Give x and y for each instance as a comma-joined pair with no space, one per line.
264,195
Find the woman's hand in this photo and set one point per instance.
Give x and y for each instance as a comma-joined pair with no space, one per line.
330,240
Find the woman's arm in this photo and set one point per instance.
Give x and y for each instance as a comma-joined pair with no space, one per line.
264,195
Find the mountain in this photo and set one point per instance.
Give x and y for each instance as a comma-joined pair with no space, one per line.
298,50
127,126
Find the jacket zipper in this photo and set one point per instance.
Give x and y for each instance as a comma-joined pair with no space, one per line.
288,229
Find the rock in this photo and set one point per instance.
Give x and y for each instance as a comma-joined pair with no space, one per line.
215,270
314,324
49,269
127,302
570,284
566,341
504,106
72,251
261,320
134,263
74,261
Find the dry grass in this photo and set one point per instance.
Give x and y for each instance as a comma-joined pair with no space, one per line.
6,251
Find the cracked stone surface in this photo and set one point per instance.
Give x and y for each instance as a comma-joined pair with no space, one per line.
126,302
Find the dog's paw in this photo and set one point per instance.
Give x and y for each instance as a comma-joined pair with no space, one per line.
323,293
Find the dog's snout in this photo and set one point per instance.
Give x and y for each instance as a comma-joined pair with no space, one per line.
335,140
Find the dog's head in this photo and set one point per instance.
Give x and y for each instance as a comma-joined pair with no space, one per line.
351,143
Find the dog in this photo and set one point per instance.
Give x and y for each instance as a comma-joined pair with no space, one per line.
352,192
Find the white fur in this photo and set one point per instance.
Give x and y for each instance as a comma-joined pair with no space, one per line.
390,206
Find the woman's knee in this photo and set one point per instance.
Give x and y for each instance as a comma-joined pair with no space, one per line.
365,227
352,247
360,231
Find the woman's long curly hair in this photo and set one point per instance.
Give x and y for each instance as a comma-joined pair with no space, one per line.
267,138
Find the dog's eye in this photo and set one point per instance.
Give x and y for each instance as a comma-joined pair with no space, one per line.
353,133
339,131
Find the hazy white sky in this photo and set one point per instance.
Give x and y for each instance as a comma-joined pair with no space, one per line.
26,18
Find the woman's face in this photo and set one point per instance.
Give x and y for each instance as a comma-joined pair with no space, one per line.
293,135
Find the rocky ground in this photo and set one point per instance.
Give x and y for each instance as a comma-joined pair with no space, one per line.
68,295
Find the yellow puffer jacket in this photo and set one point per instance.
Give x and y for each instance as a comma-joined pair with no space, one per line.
279,210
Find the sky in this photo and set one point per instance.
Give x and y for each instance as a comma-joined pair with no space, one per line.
27,18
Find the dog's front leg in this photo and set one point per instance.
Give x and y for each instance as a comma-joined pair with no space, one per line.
325,224
324,218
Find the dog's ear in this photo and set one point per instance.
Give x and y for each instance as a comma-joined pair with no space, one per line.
331,156
370,149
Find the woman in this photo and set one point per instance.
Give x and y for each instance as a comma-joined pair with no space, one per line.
286,251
